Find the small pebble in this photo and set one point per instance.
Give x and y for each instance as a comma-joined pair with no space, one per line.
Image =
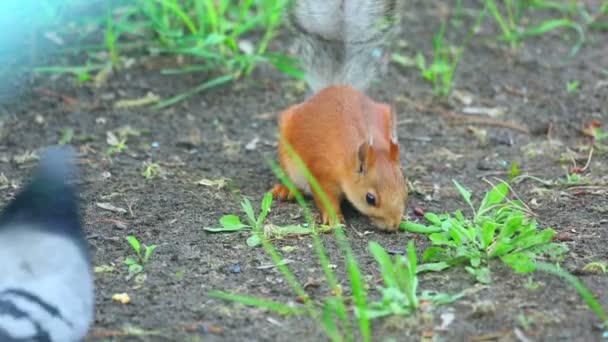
120,225
155,145
418,211
236,268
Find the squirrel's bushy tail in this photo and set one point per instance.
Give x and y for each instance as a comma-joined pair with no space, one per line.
337,40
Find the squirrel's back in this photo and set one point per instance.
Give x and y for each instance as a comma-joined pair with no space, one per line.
338,41
335,118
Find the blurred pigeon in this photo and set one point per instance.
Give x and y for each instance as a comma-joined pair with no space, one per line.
46,285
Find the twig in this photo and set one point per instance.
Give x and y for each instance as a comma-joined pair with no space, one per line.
588,159
130,207
70,101
500,173
459,119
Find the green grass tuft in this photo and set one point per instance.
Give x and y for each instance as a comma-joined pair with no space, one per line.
499,228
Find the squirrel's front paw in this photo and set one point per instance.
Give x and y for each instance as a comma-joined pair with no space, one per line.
325,219
281,192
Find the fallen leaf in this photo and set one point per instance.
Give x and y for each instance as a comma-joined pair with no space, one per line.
269,266
111,207
489,111
520,335
446,319
246,46
405,61
144,101
103,75
111,139
122,298
288,249
463,97
26,157
480,134
195,136
601,84
104,269
252,144
266,116
216,183
590,129
136,331
445,154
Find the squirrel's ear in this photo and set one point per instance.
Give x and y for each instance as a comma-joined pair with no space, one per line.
394,152
365,155
394,141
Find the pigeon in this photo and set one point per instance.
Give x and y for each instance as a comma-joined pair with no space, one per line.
46,283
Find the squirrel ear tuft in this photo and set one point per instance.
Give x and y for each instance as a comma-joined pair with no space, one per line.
394,140
394,124
393,153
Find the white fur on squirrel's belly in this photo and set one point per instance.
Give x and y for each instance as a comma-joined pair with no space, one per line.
297,177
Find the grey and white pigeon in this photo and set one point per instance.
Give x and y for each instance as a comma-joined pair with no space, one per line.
46,284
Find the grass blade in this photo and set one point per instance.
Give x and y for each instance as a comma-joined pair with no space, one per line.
209,84
385,262
357,285
579,286
419,228
280,308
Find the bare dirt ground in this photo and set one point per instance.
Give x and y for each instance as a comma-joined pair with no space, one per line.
210,136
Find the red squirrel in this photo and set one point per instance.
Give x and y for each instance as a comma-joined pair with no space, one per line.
347,140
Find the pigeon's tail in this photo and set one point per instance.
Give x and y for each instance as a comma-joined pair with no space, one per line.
50,200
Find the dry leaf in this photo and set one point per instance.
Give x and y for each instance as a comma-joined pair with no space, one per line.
110,207
195,136
590,128
444,153
27,156
463,97
246,46
104,269
266,116
601,84
446,319
217,183
111,139
252,144
122,298
480,134
491,112
103,75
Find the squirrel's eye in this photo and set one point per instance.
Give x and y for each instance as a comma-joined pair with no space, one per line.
371,199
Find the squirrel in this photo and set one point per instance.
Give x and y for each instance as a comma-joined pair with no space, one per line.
347,140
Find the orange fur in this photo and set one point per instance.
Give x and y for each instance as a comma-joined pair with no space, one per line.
331,134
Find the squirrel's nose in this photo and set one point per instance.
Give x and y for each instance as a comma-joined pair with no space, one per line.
395,225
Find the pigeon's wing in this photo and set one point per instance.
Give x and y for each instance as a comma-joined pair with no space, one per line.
46,286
